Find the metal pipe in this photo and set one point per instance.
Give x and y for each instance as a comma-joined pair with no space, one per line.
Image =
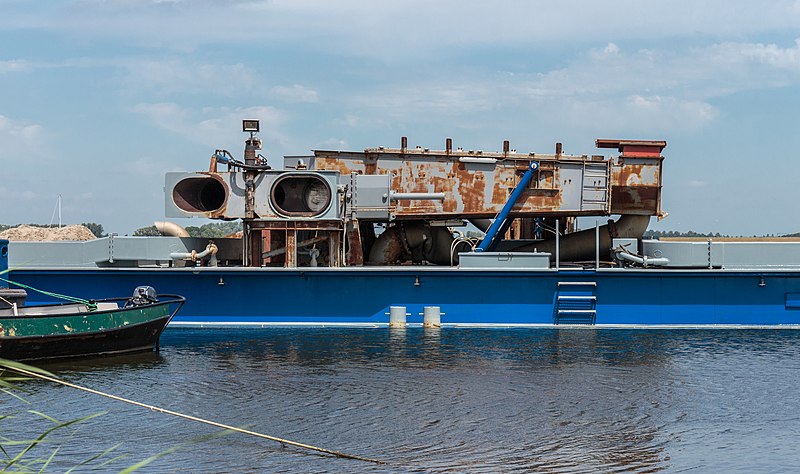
475,159
170,228
596,245
493,231
211,249
580,246
395,196
645,260
481,224
304,243
558,246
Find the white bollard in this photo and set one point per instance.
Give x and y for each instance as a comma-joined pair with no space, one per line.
397,316
432,317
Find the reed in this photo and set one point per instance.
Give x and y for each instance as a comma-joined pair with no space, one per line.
38,454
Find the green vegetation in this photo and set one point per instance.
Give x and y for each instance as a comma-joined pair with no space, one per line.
654,234
39,454
36,455
97,229
210,231
651,234
149,231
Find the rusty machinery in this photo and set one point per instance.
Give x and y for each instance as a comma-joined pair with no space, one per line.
323,209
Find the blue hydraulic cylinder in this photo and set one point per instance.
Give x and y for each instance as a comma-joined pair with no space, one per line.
493,231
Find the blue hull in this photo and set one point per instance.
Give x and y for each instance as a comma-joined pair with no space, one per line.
480,297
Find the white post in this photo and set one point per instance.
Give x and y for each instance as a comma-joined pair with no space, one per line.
432,317
397,316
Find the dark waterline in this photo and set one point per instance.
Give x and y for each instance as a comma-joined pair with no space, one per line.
452,400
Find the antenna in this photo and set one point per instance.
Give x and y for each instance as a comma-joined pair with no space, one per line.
56,209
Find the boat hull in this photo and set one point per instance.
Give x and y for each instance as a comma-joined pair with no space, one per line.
363,296
136,338
60,331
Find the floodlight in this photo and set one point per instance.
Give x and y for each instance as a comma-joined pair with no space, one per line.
250,126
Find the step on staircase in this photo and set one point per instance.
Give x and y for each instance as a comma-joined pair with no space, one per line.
576,303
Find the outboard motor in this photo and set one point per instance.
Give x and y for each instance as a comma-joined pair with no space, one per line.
142,295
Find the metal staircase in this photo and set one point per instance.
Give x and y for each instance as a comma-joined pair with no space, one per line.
576,303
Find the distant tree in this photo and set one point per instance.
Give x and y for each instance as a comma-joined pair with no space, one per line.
654,234
215,230
97,229
149,231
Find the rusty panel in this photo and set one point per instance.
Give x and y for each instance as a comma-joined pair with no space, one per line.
635,200
636,172
471,189
478,190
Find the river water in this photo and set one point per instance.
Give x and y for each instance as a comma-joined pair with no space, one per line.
449,400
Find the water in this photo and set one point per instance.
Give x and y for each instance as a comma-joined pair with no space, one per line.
454,400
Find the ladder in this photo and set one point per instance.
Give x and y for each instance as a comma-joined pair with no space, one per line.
576,303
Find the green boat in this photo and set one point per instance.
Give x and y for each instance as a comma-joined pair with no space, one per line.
93,328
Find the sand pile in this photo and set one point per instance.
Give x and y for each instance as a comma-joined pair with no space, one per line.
29,233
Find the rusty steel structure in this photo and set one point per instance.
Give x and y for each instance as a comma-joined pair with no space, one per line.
476,184
324,209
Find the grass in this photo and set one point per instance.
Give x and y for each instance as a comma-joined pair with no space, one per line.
38,454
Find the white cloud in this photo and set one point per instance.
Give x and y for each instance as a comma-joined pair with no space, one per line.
20,139
169,76
334,144
295,93
645,90
15,65
212,126
7,194
403,29
633,114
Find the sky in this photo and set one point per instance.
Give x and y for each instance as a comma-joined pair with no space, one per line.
100,98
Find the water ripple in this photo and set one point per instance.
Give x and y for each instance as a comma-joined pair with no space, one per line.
453,400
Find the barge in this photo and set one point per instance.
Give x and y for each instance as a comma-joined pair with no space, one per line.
484,238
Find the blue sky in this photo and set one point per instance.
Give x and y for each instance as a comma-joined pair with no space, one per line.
98,99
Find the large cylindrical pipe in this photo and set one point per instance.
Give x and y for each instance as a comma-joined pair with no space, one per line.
432,242
580,246
200,194
482,224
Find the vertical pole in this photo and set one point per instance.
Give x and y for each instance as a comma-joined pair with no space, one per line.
558,249
596,245
291,248
245,243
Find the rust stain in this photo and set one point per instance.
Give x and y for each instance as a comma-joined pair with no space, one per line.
356,254
635,175
634,199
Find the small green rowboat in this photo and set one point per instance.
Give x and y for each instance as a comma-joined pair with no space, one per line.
108,326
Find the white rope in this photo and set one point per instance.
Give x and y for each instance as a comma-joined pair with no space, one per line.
194,418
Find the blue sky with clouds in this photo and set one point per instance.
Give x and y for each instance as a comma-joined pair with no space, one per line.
98,99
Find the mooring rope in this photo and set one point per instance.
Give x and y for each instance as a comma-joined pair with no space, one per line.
194,418
71,299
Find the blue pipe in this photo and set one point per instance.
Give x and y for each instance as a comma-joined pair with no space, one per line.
493,231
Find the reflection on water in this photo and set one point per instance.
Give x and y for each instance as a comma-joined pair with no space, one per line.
447,400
